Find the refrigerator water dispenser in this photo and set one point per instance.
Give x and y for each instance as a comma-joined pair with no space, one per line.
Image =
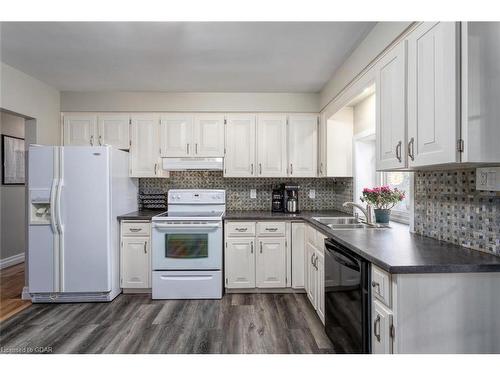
40,206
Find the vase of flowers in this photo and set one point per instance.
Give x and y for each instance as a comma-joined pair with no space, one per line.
383,198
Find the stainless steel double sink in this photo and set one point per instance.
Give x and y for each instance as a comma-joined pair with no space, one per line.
342,222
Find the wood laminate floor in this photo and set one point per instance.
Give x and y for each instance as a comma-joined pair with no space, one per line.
11,288
238,323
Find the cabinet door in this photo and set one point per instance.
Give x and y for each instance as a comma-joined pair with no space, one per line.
144,153
114,130
302,145
311,276
240,263
240,146
322,146
320,274
391,109
176,135
208,135
80,130
298,255
433,97
381,329
271,263
271,145
135,263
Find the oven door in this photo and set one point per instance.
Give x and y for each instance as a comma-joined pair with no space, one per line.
187,246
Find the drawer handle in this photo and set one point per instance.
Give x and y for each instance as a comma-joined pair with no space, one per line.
376,285
272,229
135,229
376,328
241,229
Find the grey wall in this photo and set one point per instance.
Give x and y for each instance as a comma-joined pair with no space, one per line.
330,193
12,198
449,208
379,38
23,94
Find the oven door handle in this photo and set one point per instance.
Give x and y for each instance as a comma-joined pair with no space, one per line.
186,226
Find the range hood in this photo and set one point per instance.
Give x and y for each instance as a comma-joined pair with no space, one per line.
193,164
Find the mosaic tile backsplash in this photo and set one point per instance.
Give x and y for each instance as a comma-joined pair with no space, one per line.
448,207
330,192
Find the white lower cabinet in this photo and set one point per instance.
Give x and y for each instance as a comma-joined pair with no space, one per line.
311,277
135,257
240,263
320,270
271,263
298,255
315,271
257,261
381,329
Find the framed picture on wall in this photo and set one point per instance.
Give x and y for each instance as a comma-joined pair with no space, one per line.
12,160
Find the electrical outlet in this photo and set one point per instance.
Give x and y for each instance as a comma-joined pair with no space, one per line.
488,179
312,193
253,193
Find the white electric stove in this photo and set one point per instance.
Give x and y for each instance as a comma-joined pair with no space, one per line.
187,246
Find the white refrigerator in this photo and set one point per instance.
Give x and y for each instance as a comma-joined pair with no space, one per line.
75,196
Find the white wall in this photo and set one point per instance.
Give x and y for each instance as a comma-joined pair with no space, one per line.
72,101
30,97
375,42
12,210
364,114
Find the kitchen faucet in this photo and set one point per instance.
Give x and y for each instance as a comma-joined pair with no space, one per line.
368,212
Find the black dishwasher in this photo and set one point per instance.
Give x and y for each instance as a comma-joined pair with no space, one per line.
347,299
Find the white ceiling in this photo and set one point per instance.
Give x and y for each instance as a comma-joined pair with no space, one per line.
181,56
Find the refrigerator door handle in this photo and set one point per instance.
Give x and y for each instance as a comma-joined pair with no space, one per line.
58,205
53,190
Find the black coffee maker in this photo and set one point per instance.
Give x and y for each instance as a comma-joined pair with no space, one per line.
285,199
291,198
277,200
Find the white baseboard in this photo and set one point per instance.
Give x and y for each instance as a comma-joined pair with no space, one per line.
11,261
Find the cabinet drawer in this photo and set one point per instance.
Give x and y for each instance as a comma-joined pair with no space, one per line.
136,228
381,285
240,228
271,228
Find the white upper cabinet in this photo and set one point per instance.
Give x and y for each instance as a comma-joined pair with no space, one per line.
114,130
144,149
391,109
208,135
271,263
480,91
322,146
433,96
176,135
240,146
80,130
271,145
302,145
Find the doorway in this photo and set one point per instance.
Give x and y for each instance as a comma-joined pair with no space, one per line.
17,132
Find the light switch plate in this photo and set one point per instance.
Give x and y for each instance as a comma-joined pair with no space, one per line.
253,193
488,179
312,193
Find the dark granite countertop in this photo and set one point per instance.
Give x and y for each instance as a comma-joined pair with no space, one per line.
141,215
394,249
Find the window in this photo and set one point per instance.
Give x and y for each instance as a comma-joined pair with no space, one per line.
401,181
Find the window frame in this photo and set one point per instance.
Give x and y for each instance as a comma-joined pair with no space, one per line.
399,216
